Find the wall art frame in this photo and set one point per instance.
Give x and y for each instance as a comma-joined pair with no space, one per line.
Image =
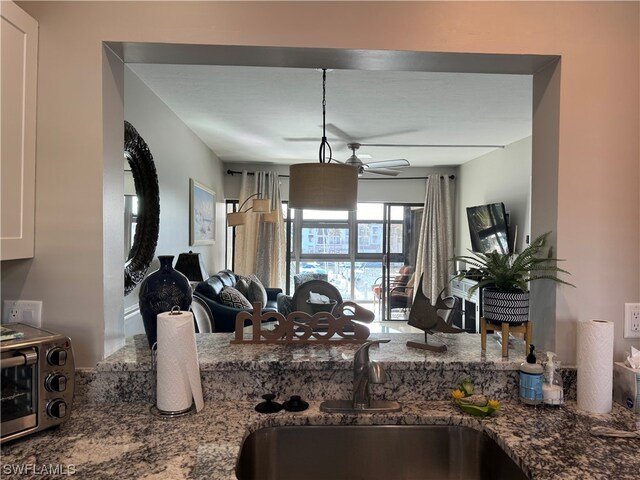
202,214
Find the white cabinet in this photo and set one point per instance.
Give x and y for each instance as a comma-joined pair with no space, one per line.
18,77
469,313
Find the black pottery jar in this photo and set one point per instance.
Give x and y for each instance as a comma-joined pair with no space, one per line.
160,292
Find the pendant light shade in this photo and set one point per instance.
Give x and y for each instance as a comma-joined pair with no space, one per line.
272,217
323,186
258,205
261,205
236,218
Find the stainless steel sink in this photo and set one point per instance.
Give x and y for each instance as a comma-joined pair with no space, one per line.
386,452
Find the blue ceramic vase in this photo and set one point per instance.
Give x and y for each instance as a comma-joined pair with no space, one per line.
160,292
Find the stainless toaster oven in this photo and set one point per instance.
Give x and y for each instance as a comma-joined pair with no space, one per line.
37,380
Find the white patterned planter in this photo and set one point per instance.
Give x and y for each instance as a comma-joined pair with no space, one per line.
500,306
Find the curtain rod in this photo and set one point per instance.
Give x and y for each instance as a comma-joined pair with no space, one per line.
451,177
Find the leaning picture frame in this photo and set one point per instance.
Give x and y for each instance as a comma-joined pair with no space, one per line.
202,218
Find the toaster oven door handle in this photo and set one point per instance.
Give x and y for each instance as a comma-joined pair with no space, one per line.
23,357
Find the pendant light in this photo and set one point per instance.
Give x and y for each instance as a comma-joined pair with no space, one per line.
324,185
258,205
272,217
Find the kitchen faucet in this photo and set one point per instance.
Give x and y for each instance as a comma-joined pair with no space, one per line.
365,371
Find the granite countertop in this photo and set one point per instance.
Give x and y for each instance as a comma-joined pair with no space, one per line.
215,352
317,372
112,434
125,440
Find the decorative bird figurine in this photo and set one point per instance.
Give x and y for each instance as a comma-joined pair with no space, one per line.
424,315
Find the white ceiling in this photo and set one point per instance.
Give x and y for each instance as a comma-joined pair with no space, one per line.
264,114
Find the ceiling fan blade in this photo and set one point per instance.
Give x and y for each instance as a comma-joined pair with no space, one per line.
308,139
382,171
331,128
399,162
337,135
301,139
427,145
387,134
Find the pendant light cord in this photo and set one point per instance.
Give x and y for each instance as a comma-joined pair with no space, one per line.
324,144
246,200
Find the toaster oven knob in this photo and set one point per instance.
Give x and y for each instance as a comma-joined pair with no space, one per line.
57,356
57,408
56,382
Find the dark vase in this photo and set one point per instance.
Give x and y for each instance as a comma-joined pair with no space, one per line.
160,292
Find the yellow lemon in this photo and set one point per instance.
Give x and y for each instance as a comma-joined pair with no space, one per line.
457,394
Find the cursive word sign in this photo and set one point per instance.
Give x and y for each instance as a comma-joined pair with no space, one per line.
300,327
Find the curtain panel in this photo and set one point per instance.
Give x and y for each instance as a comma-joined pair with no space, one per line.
271,243
261,247
436,240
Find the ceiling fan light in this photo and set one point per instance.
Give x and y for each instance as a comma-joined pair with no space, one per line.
236,218
353,160
323,186
261,205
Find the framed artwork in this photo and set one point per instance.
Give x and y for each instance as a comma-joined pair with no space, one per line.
202,219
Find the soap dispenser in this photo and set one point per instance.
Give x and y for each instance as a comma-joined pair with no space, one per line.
552,391
531,380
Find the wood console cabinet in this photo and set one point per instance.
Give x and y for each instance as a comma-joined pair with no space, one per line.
469,307
19,58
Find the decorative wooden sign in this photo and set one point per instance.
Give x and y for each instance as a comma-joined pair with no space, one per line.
300,327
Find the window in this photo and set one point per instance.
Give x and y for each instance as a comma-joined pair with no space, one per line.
396,229
130,222
320,240
325,215
347,246
370,237
231,206
369,217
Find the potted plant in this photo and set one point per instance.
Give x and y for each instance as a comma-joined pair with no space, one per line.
504,279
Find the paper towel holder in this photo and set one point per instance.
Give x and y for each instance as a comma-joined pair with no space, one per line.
154,408
168,414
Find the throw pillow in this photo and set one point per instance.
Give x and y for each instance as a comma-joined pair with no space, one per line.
242,285
256,292
285,304
231,297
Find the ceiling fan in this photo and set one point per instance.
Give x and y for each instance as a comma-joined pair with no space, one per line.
382,167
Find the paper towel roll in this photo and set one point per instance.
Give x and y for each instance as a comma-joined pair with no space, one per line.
178,372
595,365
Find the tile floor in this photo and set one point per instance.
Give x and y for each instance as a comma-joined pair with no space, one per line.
397,325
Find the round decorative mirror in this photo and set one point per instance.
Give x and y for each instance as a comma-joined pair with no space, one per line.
147,224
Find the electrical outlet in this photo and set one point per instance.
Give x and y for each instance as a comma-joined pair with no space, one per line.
24,311
632,320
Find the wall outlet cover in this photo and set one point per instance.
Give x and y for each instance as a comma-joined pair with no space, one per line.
23,311
632,320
